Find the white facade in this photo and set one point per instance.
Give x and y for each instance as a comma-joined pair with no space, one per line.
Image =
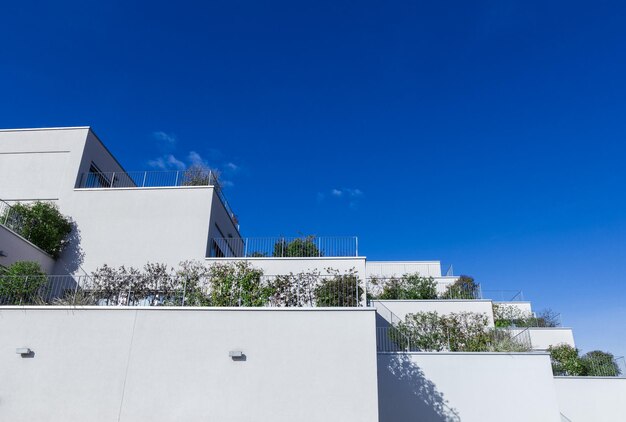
117,226
467,387
14,248
597,399
316,364
173,364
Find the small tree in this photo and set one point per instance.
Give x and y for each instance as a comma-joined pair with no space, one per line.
339,289
600,364
546,318
21,283
409,287
463,288
302,247
199,175
42,224
565,360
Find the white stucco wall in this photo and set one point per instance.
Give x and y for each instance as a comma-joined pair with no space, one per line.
133,226
401,308
467,387
172,364
398,268
16,248
542,338
591,399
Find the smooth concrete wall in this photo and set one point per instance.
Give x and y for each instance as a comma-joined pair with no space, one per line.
593,399
398,268
133,226
282,266
401,308
16,248
40,164
467,387
222,226
172,364
96,152
542,338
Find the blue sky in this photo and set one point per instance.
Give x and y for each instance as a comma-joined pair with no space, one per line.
490,135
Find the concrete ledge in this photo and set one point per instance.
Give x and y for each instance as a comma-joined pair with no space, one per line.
189,308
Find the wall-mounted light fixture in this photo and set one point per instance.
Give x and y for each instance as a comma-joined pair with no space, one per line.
237,355
23,351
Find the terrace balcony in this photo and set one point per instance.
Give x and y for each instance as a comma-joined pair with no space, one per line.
192,177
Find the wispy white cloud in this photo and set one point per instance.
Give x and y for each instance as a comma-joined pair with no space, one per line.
164,137
167,162
350,195
347,192
196,159
231,166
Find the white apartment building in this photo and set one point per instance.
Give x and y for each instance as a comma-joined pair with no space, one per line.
298,361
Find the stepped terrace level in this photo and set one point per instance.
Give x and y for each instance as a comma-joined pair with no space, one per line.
121,217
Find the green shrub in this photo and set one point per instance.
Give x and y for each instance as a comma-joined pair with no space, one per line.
199,175
339,289
303,247
294,289
600,364
237,284
21,283
566,361
463,288
456,332
409,287
43,224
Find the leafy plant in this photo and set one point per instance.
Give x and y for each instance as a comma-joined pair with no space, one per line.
294,289
43,224
21,283
237,284
510,316
600,364
199,175
463,288
566,361
429,331
301,247
409,287
422,331
505,341
339,289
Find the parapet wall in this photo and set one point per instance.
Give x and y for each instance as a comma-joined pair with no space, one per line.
168,364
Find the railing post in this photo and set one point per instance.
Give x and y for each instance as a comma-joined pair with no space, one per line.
176,182
143,184
75,292
112,179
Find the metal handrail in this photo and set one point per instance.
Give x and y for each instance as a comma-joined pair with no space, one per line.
155,179
282,247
